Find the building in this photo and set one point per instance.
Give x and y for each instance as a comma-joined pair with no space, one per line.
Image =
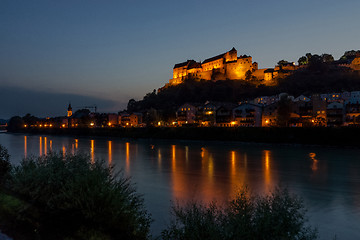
335,114
269,115
221,67
136,120
247,115
352,114
69,111
186,113
224,115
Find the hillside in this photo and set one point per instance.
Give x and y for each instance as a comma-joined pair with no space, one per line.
317,77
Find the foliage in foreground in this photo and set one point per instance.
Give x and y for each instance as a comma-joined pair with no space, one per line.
70,197
278,215
5,165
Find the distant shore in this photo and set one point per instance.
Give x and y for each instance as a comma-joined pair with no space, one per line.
345,136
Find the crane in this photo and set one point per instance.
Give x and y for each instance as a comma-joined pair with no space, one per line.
94,107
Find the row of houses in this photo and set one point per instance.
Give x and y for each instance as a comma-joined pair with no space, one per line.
121,119
333,109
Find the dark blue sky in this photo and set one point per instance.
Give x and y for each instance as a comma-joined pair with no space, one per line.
117,50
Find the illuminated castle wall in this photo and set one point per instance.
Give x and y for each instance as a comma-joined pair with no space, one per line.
224,66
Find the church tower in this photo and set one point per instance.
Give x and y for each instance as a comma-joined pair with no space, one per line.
69,112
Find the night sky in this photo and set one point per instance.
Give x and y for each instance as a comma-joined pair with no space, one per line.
106,52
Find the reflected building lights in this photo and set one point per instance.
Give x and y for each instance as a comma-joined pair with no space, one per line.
187,154
92,150
40,146
50,143
127,147
237,174
211,166
173,151
233,162
159,157
110,151
25,146
45,145
63,151
267,173
76,144
314,166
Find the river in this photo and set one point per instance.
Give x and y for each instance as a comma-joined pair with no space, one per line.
166,171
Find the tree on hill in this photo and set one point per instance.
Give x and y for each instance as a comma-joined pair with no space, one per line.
350,54
327,58
15,123
303,60
283,63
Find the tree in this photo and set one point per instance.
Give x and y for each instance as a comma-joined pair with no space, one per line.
283,63
131,106
72,197
284,111
350,54
4,165
279,215
327,58
15,123
303,60
29,119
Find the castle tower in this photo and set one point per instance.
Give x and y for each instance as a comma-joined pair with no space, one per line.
69,112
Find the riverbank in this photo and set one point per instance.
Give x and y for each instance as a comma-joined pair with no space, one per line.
345,136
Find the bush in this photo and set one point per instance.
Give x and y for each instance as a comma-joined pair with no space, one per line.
278,215
5,165
70,197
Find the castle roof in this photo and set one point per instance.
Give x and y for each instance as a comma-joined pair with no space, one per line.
233,50
194,64
269,70
214,58
183,64
218,56
189,63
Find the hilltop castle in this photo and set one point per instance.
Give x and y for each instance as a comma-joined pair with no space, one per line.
224,66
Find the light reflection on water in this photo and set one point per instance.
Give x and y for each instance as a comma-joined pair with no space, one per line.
328,179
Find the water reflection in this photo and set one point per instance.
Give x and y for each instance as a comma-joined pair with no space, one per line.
92,150
159,158
40,146
110,152
267,172
45,145
237,173
127,146
25,146
314,165
328,179
173,159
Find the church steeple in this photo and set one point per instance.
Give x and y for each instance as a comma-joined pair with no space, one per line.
69,112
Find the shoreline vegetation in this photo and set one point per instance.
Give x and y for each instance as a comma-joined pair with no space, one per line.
337,136
69,196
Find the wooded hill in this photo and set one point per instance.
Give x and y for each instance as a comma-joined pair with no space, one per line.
317,76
